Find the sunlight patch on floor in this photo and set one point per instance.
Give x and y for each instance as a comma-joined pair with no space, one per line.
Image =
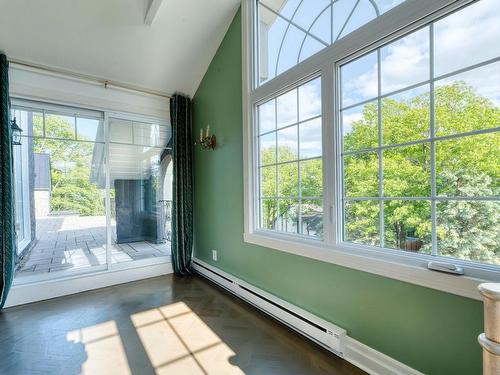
104,349
177,341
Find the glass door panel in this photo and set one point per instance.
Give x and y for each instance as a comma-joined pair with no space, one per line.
68,193
140,190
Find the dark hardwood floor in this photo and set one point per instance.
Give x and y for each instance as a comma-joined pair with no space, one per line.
165,325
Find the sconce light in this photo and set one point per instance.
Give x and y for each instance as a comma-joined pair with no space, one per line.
207,142
16,132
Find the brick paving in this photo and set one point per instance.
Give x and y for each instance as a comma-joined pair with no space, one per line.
73,242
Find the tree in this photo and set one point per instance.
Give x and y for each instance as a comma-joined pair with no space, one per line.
467,166
287,175
70,167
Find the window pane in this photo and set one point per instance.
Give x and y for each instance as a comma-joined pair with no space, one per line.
268,149
360,127
288,180
268,181
362,12
58,126
468,166
385,5
311,211
286,109
308,11
140,202
406,171
359,80
321,27
310,47
269,212
405,62
89,130
282,173
406,116
291,31
288,219
467,37
362,222
361,175
310,139
147,135
285,8
288,54
310,100
271,32
37,125
69,208
287,144
311,178
121,131
468,101
267,116
469,230
407,225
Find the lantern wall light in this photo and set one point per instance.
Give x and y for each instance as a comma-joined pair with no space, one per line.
16,133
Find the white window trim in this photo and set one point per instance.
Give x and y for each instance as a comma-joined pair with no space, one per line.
403,266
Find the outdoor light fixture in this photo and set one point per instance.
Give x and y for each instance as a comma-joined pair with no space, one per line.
16,132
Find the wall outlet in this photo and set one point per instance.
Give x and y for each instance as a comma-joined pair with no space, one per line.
214,255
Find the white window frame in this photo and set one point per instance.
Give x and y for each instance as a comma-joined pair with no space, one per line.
413,268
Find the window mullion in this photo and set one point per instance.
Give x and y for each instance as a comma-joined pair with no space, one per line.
433,142
330,171
380,151
299,179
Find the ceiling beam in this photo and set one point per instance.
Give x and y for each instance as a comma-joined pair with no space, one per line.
152,11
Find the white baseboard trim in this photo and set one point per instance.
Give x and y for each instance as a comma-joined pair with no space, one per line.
353,351
38,291
373,361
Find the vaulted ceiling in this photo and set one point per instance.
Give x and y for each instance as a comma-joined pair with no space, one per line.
164,45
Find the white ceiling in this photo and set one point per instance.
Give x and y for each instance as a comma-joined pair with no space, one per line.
109,39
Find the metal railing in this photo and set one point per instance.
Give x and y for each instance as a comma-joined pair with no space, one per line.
165,211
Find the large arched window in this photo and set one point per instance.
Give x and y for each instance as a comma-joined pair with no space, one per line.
373,130
292,30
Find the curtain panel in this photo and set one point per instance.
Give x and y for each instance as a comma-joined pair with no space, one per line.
7,239
182,205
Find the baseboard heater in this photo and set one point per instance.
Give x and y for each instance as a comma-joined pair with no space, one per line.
314,328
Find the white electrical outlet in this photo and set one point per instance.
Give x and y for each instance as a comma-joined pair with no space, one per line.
214,255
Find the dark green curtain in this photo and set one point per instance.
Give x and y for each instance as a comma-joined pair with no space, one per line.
182,205
6,187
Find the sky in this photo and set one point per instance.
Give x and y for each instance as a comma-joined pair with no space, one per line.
465,38
316,16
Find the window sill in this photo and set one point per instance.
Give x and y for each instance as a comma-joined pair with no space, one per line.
403,267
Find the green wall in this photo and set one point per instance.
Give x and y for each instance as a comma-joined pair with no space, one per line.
431,331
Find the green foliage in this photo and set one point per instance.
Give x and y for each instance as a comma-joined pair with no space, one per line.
287,174
465,167
70,168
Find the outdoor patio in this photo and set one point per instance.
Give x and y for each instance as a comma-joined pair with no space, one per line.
73,242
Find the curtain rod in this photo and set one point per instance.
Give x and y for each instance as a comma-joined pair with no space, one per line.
105,82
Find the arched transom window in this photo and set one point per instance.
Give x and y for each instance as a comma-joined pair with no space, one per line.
292,30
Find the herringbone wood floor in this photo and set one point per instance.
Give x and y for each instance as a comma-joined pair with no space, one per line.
164,325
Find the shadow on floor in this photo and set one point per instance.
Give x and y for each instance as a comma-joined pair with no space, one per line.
165,325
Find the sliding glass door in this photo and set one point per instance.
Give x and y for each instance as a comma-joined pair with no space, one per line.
90,193
140,190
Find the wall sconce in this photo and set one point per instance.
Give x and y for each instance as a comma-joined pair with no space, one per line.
16,133
207,142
